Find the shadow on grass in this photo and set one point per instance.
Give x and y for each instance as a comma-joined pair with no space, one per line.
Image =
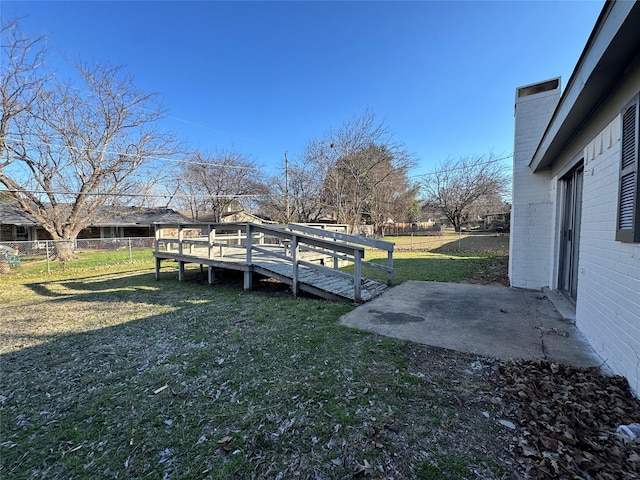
172,379
476,244
438,269
87,283
108,282
432,267
137,397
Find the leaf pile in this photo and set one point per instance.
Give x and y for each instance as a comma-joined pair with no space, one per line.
567,419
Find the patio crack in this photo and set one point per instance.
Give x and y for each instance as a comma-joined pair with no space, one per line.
543,348
540,328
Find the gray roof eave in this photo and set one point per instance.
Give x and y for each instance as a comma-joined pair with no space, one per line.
612,46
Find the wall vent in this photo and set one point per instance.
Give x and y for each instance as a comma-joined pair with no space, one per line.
539,88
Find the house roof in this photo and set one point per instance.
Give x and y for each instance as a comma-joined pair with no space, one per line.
136,216
209,217
612,46
12,214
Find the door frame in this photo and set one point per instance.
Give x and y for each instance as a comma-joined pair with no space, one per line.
571,188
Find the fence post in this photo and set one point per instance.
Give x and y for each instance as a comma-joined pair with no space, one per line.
46,247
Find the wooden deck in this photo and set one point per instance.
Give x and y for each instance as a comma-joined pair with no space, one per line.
306,258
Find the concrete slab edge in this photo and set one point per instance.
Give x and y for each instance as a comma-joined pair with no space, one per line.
562,304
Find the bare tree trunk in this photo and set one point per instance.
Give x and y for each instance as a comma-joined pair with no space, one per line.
65,250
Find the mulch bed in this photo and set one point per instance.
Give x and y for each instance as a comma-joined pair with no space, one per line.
566,419
552,421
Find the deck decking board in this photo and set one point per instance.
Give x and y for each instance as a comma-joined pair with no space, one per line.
310,279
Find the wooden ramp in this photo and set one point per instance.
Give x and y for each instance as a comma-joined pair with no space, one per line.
297,258
319,280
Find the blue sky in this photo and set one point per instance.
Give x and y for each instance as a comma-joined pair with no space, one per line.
265,77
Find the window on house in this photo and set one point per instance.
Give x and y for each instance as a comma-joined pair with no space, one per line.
21,233
628,229
112,232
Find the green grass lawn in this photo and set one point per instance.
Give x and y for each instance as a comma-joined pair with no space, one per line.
436,267
84,261
444,258
108,373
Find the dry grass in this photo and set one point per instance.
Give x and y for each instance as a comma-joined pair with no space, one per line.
454,243
106,373
116,375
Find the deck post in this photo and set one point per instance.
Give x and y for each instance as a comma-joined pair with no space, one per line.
158,262
157,235
248,278
248,274
294,260
180,271
180,235
212,240
249,243
390,266
357,275
212,275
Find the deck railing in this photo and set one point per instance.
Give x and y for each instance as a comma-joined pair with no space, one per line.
298,244
353,239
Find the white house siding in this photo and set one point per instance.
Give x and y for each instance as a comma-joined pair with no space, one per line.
608,294
531,215
608,305
608,298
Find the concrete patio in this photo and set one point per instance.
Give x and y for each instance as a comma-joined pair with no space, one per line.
493,321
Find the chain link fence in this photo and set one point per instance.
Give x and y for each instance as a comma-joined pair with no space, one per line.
86,252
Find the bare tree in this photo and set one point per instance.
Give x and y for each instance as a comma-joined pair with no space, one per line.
394,200
360,162
213,182
71,148
21,82
295,193
456,185
488,206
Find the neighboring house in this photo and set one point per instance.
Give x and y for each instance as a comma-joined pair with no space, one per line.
236,216
234,212
575,224
117,222
113,222
15,224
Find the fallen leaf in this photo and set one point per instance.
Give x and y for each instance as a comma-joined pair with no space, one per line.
225,442
157,391
507,423
363,469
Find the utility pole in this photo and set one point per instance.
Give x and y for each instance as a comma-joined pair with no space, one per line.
286,185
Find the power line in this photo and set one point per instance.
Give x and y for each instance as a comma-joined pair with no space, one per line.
454,169
206,127
143,195
125,154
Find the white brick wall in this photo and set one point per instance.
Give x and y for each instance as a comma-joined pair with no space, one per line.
531,217
608,304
